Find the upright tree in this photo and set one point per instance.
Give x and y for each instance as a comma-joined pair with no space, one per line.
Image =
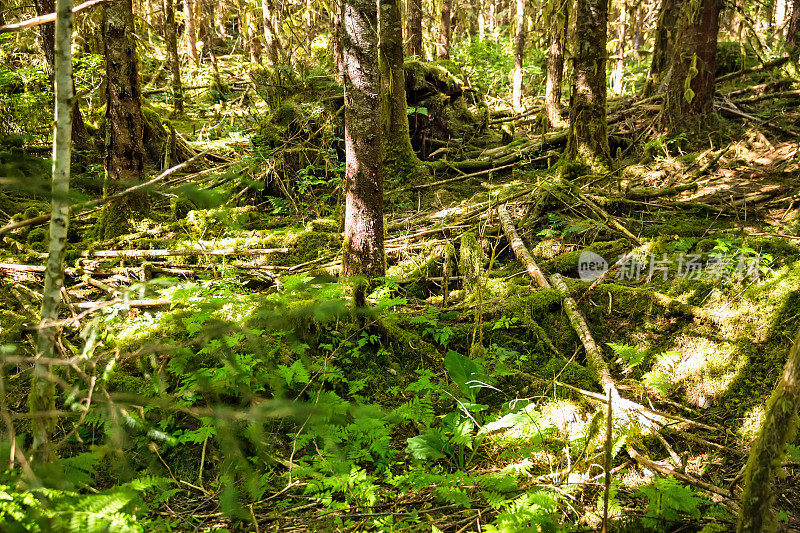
690,91
190,16
793,29
47,34
124,160
399,158
363,226
519,55
41,398
663,43
271,35
768,451
414,27
558,24
617,73
443,45
587,140
172,54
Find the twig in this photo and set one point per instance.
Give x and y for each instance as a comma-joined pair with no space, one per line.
44,19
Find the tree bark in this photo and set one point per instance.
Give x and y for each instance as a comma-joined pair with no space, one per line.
443,46
663,44
42,393
619,61
519,55
690,92
363,227
271,36
249,31
172,51
124,160
588,130
399,158
80,135
793,30
190,21
559,22
766,454
414,27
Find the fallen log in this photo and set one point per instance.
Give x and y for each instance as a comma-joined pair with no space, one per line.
745,71
135,254
769,96
593,355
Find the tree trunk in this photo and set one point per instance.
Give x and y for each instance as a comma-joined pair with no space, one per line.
767,452
124,122
443,46
588,131
414,27
172,51
663,44
399,158
519,55
41,397
793,30
690,92
618,72
363,226
271,36
80,136
190,20
249,31
559,22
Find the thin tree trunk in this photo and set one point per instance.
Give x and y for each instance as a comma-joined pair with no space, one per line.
414,27
124,161
663,44
399,158
588,130
363,227
519,55
619,60
767,452
559,22
249,31
172,51
42,393
190,21
690,92
443,46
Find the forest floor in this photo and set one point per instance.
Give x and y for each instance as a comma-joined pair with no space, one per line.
464,400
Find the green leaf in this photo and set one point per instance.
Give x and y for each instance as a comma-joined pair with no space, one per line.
428,446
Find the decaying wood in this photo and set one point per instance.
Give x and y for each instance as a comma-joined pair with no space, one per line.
133,254
677,474
769,65
593,355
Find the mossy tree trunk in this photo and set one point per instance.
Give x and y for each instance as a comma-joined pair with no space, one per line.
271,36
519,55
190,21
41,398
690,91
399,158
172,51
414,27
663,44
249,31
363,226
559,22
767,452
443,46
619,61
588,130
124,159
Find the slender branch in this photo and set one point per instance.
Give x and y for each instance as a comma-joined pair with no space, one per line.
44,19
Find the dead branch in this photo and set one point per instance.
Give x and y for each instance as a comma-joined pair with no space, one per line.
44,19
761,68
134,254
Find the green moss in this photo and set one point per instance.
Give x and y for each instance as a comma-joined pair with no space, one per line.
567,263
685,227
11,327
572,373
38,239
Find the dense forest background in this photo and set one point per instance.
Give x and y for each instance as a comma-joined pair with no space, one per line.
421,265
